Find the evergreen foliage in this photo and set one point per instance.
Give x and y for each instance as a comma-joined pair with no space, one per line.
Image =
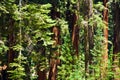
26,29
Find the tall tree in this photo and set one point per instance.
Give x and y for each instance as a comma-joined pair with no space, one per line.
105,31
116,41
53,61
11,40
88,35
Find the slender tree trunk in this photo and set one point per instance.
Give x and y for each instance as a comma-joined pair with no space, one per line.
88,36
75,34
54,62
73,26
104,62
42,75
11,41
116,43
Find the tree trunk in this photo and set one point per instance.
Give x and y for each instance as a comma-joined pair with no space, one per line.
104,62
72,18
88,36
116,43
75,34
42,74
11,41
54,62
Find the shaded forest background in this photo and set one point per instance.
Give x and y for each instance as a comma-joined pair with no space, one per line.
59,40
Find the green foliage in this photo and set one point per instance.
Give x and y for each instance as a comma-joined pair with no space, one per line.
67,59
3,48
18,71
32,29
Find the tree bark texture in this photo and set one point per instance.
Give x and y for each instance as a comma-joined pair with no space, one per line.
116,43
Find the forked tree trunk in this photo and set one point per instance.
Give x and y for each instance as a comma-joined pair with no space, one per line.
104,62
116,43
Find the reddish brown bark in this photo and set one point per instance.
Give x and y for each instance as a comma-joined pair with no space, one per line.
116,43
75,34
41,75
104,62
54,62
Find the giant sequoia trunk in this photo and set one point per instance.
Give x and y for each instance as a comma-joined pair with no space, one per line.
116,43
104,62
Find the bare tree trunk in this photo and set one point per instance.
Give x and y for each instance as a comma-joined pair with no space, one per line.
116,43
